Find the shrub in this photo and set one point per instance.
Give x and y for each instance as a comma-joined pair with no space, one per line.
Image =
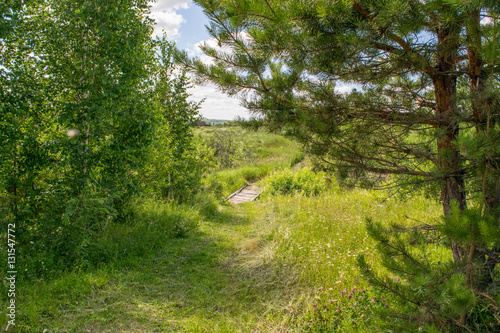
228,149
87,243
286,182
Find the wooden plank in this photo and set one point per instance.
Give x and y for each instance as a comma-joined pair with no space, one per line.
235,193
245,194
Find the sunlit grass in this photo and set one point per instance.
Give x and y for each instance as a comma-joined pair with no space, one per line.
317,239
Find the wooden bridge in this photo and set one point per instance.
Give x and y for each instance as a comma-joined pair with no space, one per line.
245,194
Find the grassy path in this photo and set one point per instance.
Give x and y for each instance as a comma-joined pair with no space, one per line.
247,268
193,284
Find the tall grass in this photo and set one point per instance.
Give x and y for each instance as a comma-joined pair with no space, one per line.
314,241
120,245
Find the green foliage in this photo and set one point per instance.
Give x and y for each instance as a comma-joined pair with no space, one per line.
419,112
176,160
222,183
434,287
87,99
152,224
257,266
228,150
254,156
286,182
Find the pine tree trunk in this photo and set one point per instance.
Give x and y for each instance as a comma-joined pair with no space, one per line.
445,87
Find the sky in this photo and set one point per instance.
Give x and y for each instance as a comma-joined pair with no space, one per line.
184,23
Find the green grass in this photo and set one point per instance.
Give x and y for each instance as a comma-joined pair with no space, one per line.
257,267
190,284
263,266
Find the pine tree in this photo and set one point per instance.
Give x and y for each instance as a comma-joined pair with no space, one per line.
424,111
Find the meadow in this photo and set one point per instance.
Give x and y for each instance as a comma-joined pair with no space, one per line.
284,263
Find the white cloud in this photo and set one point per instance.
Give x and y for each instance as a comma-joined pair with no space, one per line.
194,51
486,20
217,105
343,89
166,5
164,13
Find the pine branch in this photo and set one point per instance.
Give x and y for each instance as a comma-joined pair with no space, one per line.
399,171
386,286
493,255
395,38
245,50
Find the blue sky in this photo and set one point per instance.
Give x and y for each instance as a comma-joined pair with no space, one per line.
184,23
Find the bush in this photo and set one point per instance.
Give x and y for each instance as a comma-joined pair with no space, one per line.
85,243
228,149
287,182
221,184
154,223
65,239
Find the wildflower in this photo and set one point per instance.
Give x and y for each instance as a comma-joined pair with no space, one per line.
386,305
314,304
374,299
331,300
383,299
